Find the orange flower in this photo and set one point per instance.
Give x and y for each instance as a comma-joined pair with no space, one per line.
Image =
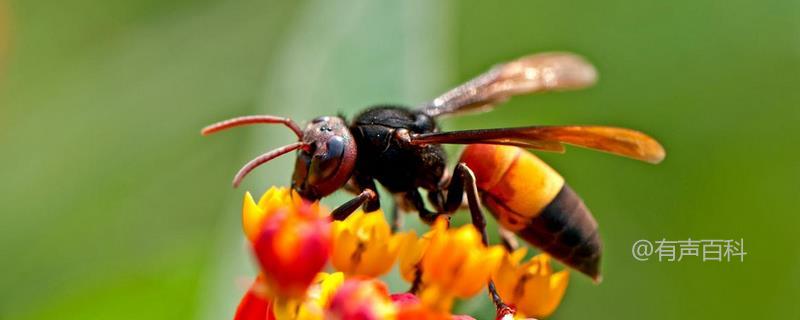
412,249
531,287
292,241
364,299
410,308
363,244
456,264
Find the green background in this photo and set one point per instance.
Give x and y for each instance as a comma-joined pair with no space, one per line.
112,206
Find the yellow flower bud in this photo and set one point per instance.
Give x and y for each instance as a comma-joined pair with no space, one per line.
253,215
317,298
456,264
364,245
531,287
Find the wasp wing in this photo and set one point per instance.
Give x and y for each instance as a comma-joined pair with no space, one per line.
620,141
551,71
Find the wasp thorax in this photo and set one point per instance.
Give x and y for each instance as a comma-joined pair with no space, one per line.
327,160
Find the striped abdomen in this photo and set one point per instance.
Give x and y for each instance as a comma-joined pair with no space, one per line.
531,199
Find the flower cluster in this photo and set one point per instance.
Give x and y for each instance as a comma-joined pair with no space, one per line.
294,241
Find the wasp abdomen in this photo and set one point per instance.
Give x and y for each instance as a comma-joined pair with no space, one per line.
530,198
567,230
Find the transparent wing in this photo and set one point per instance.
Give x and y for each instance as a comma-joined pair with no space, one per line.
551,71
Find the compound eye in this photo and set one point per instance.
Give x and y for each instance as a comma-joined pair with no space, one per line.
325,164
301,166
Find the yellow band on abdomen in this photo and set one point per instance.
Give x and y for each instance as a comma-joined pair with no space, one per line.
517,183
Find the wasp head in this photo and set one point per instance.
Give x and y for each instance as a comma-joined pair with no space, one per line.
326,161
325,158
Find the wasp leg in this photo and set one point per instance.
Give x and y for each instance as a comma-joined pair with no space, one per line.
417,284
414,198
508,238
363,183
464,176
450,201
397,218
436,198
367,196
344,210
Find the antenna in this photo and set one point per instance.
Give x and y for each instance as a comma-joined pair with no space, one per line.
245,120
263,159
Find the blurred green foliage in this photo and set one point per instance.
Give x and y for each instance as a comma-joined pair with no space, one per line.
113,207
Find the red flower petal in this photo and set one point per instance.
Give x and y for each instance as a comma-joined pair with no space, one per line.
254,305
291,265
360,299
404,299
